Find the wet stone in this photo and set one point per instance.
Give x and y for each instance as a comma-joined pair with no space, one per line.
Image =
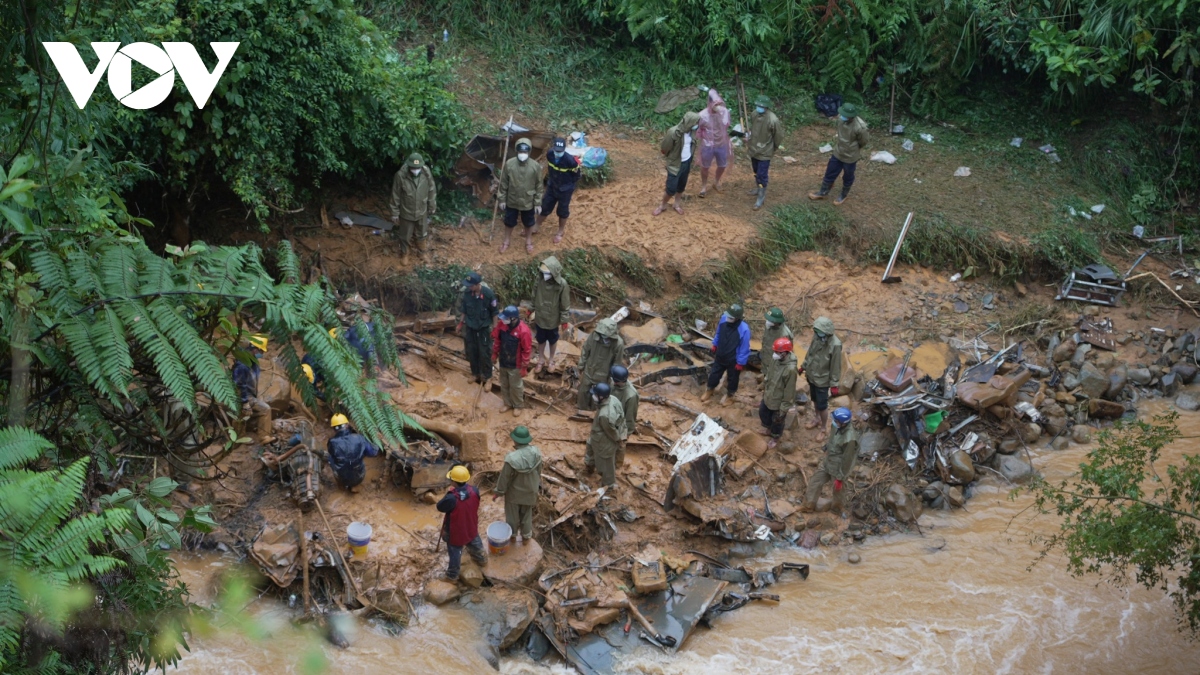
1187,401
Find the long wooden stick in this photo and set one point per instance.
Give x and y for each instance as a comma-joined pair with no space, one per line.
337,550
503,163
304,562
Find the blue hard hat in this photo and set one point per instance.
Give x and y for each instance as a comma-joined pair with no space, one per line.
509,313
841,416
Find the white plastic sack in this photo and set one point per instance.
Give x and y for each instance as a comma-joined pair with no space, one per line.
1098,209
928,138
962,171
826,148
1016,142
883,156
907,144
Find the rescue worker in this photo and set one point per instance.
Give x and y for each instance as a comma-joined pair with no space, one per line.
562,173
318,376
362,344
841,451
511,345
604,349
346,451
774,328
519,482
779,391
624,391
460,527
476,314
823,368
520,193
852,138
714,140
414,203
678,146
607,439
731,351
245,378
765,137
551,310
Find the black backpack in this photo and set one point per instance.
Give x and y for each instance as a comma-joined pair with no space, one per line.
828,104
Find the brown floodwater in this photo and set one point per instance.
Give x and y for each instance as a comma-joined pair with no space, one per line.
961,598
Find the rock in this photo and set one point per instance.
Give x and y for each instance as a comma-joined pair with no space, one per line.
1169,384
504,614
652,332
961,307
593,617
1187,401
1140,376
1081,434
1070,380
1064,398
1064,351
983,452
955,497
828,539
1021,289
520,565
1080,355
475,446
854,558
1104,360
1060,443
880,442
471,575
1092,382
1009,446
1055,425
902,504
1015,470
674,379
961,467
440,591
1117,379
1105,410
839,402
1030,432
1185,371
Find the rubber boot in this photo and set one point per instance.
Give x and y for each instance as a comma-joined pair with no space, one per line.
753,192
762,194
708,393
820,194
842,197
837,505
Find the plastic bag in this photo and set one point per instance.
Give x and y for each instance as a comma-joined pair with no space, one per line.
594,158
828,104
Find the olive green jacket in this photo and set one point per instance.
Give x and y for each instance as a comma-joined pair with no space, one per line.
769,337
521,184
521,477
629,398
852,137
413,197
608,429
596,359
766,135
672,143
551,299
841,451
823,363
779,387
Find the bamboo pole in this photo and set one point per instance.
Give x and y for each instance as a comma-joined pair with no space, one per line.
503,162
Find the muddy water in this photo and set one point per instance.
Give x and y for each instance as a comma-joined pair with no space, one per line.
958,599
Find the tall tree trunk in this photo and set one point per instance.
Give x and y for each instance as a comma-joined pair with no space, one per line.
18,388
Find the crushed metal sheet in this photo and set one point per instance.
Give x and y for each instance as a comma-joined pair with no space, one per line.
705,437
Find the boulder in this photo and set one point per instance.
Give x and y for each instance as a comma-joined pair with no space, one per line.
1187,401
1104,360
1064,398
1055,425
962,468
1092,382
1169,384
520,565
1117,379
440,591
1070,380
1064,351
877,442
1185,371
955,497
1080,355
1140,376
1060,443
1015,470
902,504
1009,446
1030,432
1105,410
504,614
854,558
652,332
1081,434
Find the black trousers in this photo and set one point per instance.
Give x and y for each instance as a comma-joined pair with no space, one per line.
771,419
731,374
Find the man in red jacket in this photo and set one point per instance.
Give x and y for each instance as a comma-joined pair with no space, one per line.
512,344
461,525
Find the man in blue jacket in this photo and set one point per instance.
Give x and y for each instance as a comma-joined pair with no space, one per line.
731,351
346,451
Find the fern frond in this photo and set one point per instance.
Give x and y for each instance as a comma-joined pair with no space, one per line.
108,337
288,263
167,361
87,357
201,361
118,268
19,446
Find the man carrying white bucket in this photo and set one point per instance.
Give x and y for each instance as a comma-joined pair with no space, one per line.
519,482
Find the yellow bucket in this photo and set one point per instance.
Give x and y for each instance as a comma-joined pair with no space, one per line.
359,536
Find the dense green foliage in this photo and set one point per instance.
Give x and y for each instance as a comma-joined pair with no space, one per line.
1128,512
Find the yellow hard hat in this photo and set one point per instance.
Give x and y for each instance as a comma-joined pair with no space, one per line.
258,340
338,420
308,372
333,333
459,474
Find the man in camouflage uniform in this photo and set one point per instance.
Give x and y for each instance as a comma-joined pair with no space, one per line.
519,482
414,202
841,452
624,391
608,435
604,349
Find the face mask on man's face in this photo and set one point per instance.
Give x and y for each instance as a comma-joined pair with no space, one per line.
770,324
604,340
759,109
522,156
558,154
595,398
843,118
415,172
546,276
695,127
513,322
777,356
822,337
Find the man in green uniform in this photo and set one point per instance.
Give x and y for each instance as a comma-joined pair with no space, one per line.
841,451
679,146
551,310
624,391
774,328
823,368
604,349
852,137
765,137
519,482
476,315
414,202
520,193
608,435
779,391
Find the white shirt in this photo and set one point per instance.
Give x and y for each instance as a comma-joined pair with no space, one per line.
687,147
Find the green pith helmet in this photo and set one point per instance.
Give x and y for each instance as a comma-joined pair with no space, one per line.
521,435
736,312
415,161
763,101
775,315
848,110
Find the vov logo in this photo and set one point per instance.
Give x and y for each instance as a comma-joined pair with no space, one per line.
172,57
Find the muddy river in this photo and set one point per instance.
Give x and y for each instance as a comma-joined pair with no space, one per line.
960,598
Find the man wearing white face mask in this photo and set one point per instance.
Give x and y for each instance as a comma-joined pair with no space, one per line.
823,368
852,137
520,193
765,137
678,146
562,171
774,328
551,310
414,202
779,391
